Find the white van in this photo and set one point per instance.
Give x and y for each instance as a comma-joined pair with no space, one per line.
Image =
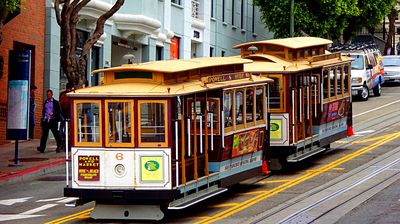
366,73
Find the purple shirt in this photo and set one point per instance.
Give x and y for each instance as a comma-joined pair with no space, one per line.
48,107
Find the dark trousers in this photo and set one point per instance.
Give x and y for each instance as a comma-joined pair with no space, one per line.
46,126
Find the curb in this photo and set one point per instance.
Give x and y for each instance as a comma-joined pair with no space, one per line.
33,172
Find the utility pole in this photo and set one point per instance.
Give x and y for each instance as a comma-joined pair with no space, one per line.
291,18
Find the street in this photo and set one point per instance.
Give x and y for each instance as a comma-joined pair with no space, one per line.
353,182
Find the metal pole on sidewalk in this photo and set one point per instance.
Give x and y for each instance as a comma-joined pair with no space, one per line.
16,160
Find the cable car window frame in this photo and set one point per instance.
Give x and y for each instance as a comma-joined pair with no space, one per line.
132,122
76,120
139,124
282,89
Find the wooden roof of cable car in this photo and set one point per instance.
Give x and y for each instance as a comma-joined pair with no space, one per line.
292,42
154,89
171,66
264,63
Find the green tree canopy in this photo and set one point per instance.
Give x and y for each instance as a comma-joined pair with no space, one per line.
323,18
7,7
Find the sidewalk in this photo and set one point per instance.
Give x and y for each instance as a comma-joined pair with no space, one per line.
31,162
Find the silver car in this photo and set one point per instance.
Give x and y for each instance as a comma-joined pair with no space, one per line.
392,68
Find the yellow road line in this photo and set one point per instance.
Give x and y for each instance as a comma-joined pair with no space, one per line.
296,181
338,168
223,205
372,139
273,181
82,214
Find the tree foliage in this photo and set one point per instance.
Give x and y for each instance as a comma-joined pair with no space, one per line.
7,7
323,18
67,18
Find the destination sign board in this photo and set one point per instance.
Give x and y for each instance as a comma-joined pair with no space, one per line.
225,77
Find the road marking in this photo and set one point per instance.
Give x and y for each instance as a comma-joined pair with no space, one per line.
84,213
223,205
365,112
273,181
371,139
245,204
50,199
39,209
16,216
13,201
360,133
67,200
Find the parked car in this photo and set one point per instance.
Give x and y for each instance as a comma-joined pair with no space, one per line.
392,68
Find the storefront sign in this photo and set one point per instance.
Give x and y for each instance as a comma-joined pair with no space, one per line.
88,168
151,169
245,142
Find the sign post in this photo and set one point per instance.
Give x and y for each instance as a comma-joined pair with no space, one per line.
18,98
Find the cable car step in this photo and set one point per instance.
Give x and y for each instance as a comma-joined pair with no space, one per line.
196,198
304,155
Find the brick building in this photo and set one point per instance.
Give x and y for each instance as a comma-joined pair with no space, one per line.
25,31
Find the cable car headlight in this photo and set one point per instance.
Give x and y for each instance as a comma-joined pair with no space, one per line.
119,170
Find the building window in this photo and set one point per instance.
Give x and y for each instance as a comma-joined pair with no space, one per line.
252,20
233,12
178,2
211,51
159,53
242,14
212,8
223,53
223,10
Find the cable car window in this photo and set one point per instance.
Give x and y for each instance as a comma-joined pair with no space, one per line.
259,103
325,78
88,122
228,103
249,105
332,83
239,107
275,93
339,80
119,125
152,122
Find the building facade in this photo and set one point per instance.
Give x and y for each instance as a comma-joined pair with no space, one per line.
26,31
156,30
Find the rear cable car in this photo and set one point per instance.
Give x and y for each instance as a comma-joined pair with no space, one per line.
310,98
166,135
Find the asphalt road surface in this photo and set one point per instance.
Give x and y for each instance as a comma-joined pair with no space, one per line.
356,181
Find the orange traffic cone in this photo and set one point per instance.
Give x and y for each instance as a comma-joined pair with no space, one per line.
350,131
265,168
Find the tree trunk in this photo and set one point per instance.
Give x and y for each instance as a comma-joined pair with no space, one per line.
389,48
74,67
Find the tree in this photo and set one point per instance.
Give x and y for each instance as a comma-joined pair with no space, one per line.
324,18
67,18
6,8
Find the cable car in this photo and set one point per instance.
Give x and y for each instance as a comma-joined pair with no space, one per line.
166,135
310,101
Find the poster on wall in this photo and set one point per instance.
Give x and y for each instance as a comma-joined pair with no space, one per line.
174,48
152,169
18,94
245,142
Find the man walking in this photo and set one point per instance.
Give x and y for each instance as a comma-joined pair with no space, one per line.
51,117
